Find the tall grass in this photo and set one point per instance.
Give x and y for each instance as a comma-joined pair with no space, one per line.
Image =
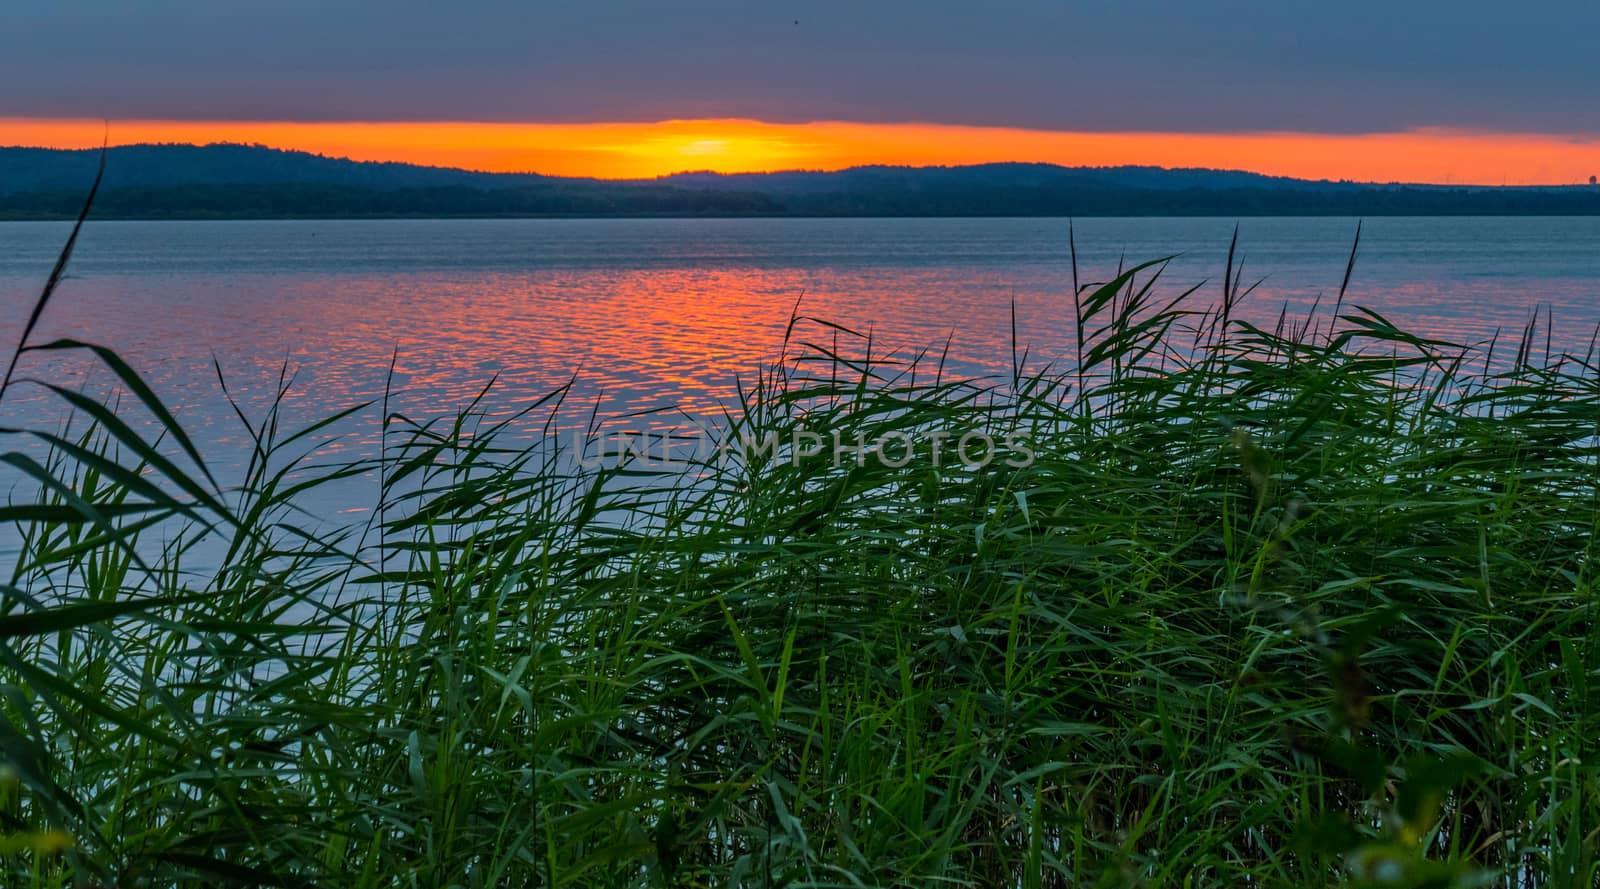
1311,606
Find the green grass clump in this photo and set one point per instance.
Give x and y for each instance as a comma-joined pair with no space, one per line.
1312,606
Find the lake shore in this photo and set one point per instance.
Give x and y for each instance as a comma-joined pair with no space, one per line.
1307,605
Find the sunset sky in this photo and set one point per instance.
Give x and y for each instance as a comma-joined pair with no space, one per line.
1459,92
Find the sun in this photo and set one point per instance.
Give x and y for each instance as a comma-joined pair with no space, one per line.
706,148
726,146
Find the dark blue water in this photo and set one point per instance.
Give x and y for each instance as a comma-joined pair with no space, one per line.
649,313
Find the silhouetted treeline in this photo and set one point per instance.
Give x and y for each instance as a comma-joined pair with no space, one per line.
252,181
332,201
1255,201
129,166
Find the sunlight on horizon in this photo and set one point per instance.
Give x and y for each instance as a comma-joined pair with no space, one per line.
645,150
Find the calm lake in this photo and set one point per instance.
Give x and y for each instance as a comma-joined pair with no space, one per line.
651,313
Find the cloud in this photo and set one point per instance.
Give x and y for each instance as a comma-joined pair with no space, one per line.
1223,65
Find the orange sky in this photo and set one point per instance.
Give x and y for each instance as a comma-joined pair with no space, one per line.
629,150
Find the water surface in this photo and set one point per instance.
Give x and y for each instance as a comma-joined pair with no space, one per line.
642,314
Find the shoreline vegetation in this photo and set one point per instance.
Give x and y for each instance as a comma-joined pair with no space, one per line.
254,182
1308,606
604,201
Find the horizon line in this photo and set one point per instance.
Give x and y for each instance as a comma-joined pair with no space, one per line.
729,146
703,171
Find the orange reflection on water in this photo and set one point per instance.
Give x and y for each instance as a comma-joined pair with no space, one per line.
669,314
641,150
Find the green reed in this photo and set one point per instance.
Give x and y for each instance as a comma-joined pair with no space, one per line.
1309,606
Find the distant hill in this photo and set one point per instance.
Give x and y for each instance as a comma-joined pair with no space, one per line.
45,169
1007,175
252,181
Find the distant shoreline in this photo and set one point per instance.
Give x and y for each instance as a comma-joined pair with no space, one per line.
399,217
252,182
